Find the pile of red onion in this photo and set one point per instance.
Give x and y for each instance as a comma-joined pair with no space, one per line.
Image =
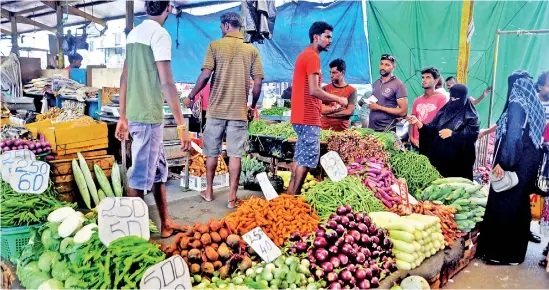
377,177
348,251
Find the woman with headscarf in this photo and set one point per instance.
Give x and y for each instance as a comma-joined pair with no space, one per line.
506,228
449,139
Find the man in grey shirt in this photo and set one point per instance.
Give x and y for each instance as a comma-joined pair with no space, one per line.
392,97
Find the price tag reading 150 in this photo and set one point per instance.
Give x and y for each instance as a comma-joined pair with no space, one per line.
172,273
122,216
30,176
262,245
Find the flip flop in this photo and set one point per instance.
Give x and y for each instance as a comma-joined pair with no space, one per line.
237,201
204,198
173,233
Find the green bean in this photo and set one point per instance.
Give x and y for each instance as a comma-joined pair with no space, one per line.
415,169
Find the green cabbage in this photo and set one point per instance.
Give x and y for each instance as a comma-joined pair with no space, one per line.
51,284
47,259
66,245
60,271
49,242
72,282
36,280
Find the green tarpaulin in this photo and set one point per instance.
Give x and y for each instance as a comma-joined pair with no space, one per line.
422,34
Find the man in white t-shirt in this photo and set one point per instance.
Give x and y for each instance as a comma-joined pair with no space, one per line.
146,81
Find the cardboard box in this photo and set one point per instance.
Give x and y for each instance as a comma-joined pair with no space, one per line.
199,183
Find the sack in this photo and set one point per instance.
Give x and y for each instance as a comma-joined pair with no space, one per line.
508,181
542,183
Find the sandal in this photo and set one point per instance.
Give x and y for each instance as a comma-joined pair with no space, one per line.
237,201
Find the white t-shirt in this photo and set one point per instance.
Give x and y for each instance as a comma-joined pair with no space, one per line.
151,33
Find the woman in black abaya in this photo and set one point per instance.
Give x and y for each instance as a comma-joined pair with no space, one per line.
449,139
505,231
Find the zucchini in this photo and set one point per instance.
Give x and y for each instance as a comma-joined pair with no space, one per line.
81,183
100,194
460,217
89,180
456,206
116,180
103,181
462,201
452,180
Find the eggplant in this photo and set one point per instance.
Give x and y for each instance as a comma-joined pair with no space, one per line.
363,228
341,210
337,219
366,252
327,267
368,273
343,259
375,270
321,254
355,234
360,274
339,242
340,229
375,254
344,221
335,286
335,262
295,237
320,232
372,230
359,217
320,242
352,225
387,243
360,258
319,274
365,239
380,233
375,240
352,282
374,283
332,216
333,250
346,249
350,216
331,235
348,208
351,268
367,221
364,284
349,239
331,277
346,275
332,224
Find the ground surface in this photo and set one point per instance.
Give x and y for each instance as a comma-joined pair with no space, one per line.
189,207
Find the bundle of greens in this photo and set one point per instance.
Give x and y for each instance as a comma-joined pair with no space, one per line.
416,169
274,111
22,209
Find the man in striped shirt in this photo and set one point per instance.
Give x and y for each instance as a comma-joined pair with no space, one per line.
232,63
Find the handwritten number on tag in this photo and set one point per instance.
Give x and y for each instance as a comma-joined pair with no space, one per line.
169,274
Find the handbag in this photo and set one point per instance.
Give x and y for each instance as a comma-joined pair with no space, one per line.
542,183
507,181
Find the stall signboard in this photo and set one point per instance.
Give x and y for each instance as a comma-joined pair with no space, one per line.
30,176
172,273
121,217
263,245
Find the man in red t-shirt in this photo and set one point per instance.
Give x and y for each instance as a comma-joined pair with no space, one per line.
307,97
334,116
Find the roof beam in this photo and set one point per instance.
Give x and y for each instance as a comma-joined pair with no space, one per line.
25,20
5,31
30,10
77,12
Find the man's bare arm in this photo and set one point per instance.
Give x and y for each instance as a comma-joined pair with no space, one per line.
123,88
201,82
343,113
316,91
399,111
256,91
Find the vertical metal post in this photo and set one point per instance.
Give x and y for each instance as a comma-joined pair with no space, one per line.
60,56
14,35
129,17
494,72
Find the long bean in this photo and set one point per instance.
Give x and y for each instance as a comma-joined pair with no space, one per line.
416,169
326,196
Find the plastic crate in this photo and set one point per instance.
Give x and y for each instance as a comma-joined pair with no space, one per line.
198,183
14,240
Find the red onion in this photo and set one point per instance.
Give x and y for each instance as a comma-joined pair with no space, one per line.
340,229
345,221
350,216
331,235
359,217
352,225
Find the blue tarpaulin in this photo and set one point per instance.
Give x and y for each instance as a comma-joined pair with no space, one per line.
291,36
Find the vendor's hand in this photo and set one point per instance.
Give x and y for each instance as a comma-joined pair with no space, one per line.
498,171
122,132
187,102
414,142
375,107
445,133
343,102
487,91
251,114
185,140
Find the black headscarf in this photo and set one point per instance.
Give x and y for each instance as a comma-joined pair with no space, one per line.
458,112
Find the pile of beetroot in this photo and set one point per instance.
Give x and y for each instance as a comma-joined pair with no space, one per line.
348,251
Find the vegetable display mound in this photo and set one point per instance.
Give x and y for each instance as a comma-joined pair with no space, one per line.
22,209
326,196
416,169
449,227
376,177
388,139
278,218
210,247
351,145
466,197
274,111
349,251
283,129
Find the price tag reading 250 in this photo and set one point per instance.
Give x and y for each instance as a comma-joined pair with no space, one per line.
263,245
334,166
122,216
172,273
28,176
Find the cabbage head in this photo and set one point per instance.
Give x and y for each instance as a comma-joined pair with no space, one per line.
47,259
60,271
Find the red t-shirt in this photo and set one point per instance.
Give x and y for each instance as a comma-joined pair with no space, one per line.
425,109
338,123
546,134
306,109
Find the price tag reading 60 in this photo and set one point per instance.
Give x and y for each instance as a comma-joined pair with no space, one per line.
172,273
122,216
30,176
263,245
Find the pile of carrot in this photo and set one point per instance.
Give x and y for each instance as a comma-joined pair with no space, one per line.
278,218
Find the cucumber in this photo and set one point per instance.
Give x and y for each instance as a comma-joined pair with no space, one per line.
103,181
453,180
441,192
81,183
116,180
89,180
460,217
456,206
462,201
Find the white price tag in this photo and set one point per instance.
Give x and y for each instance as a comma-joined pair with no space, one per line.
10,157
262,245
30,176
266,186
115,111
196,147
172,273
334,166
122,216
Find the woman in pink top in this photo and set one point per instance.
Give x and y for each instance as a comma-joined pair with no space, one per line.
546,134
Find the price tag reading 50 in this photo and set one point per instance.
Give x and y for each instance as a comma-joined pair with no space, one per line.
30,176
122,216
172,273
262,245
334,166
